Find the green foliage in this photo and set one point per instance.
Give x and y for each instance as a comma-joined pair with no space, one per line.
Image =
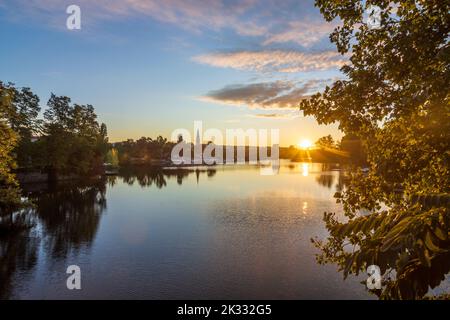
9,191
68,141
21,116
112,157
395,99
392,70
144,151
326,141
352,145
75,142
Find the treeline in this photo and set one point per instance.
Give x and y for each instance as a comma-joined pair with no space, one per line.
142,151
328,150
67,140
149,151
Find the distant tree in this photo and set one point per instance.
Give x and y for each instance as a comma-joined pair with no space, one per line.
102,143
112,157
144,150
161,146
326,141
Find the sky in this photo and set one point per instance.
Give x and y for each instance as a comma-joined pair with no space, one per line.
150,67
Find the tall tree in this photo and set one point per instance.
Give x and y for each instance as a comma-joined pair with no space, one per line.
22,117
392,70
326,141
9,191
75,141
395,98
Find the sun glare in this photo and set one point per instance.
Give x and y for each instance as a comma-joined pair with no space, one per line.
305,144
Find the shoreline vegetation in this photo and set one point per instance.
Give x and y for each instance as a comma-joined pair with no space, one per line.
111,166
68,142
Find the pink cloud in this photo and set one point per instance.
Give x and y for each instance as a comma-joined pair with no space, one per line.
304,33
274,60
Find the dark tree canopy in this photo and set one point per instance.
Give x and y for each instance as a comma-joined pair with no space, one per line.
394,97
393,70
326,141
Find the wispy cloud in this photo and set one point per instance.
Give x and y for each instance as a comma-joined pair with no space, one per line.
266,19
274,60
280,116
304,33
264,95
193,15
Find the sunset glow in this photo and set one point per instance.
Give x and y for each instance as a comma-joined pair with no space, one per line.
305,144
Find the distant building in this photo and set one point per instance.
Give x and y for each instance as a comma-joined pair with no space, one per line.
198,149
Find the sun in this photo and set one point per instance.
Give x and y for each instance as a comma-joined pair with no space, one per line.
305,144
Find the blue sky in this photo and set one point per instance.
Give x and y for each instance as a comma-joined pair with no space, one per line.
149,67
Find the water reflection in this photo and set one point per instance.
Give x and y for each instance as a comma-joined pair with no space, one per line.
305,169
325,180
65,217
18,252
153,176
70,215
246,215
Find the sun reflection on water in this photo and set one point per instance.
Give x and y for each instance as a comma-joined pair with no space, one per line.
305,169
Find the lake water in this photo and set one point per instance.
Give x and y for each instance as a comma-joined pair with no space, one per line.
221,233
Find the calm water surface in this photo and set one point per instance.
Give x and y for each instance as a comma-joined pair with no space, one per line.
222,233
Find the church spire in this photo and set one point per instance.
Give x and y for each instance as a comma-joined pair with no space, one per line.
197,138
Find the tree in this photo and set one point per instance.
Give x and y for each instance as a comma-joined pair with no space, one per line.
145,150
75,142
112,157
21,116
392,70
351,144
326,142
9,191
395,98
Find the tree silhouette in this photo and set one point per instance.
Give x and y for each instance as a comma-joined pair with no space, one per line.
326,141
395,100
